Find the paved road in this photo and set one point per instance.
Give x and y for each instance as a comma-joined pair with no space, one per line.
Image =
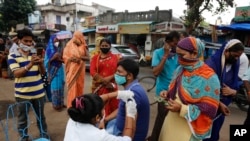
57,120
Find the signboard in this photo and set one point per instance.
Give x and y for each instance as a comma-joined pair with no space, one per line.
107,29
169,26
242,14
89,21
19,27
134,29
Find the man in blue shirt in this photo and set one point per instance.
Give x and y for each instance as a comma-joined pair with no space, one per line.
126,76
164,63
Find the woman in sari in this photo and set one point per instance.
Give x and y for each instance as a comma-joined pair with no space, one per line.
55,71
193,96
102,69
74,55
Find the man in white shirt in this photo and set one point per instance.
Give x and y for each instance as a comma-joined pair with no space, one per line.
244,62
246,81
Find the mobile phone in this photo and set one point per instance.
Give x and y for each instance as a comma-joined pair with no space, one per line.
39,51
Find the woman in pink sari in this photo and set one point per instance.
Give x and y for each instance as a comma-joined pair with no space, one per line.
74,55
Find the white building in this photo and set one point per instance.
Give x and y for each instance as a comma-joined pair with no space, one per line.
69,13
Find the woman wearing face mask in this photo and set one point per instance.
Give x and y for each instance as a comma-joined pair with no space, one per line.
86,112
193,96
55,71
102,69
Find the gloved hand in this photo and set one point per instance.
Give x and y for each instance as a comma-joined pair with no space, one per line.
131,108
125,95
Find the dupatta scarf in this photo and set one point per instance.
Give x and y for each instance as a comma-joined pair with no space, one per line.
51,67
76,47
197,86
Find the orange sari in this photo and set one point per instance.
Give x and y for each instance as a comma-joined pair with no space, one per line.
75,72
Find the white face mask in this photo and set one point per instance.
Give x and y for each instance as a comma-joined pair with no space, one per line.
56,44
25,47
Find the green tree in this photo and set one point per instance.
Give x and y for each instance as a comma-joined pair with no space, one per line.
193,15
15,12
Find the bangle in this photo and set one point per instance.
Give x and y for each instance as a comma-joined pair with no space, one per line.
128,128
25,67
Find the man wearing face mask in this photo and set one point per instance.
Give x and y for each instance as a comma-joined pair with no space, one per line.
27,69
126,76
102,69
164,63
225,62
55,71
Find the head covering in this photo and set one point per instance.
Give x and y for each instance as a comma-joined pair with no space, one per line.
50,50
78,38
192,44
228,45
217,62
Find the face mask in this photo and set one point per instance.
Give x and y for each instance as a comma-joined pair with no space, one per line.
56,44
187,62
231,60
120,80
25,47
105,50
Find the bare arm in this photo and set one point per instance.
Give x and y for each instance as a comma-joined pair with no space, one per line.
157,69
22,71
129,128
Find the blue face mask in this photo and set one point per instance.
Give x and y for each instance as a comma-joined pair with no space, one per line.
120,80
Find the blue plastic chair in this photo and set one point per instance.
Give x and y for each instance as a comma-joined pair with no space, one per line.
11,116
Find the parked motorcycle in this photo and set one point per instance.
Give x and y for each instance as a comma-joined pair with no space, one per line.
241,99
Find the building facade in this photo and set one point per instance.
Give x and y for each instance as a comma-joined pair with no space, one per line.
70,13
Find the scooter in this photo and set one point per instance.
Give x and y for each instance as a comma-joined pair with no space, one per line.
241,99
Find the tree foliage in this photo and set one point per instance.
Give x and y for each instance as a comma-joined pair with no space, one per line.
193,15
15,12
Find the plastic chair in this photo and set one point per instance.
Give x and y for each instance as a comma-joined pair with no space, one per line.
12,116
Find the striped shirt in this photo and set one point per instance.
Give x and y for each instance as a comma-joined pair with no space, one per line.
29,86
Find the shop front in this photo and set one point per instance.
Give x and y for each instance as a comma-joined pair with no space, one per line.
108,31
138,33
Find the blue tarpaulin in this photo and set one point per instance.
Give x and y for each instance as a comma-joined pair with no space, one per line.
88,30
236,26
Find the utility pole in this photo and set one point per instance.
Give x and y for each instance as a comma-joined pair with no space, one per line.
76,17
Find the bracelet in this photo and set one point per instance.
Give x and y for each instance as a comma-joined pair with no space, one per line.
25,67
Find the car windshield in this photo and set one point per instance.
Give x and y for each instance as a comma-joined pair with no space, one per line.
124,50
